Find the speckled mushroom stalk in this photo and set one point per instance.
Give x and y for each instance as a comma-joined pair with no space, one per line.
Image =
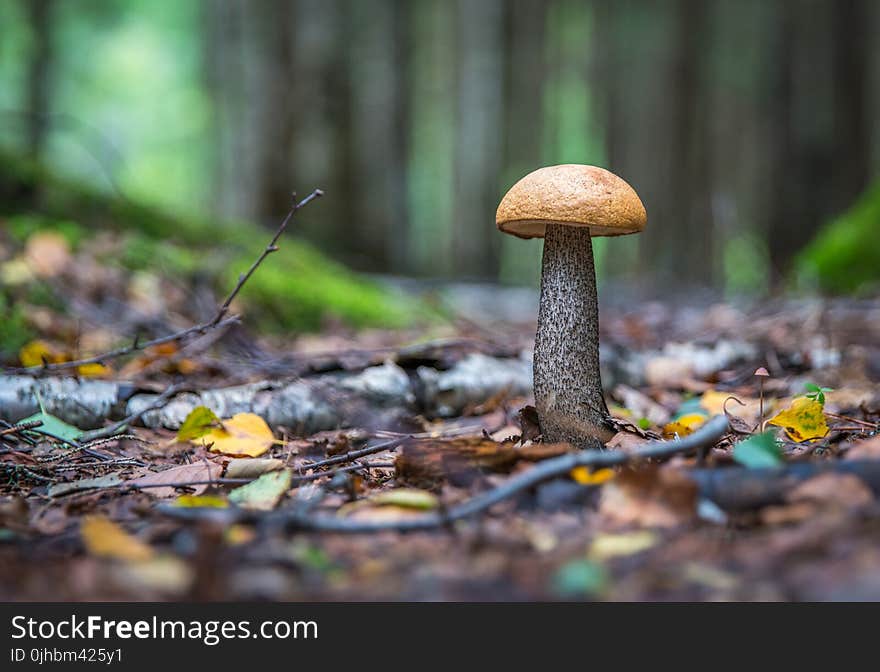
567,205
568,386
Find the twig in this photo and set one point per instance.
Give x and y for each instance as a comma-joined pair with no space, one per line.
219,320
20,427
707,435
109,431
356,454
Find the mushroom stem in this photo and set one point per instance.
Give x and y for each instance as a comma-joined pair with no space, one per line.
568,387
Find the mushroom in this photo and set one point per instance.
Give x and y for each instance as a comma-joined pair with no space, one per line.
566,206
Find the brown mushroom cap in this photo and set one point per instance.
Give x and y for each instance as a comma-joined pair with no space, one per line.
571,194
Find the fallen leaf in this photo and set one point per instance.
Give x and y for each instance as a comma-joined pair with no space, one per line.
248,467
803,420
842,490
409,498
242,434
105,539
684,425
179,476
758,452
93,370
39,352
107,481
264,493
200,501
579,578
53,426
586,476
650,497
167,574
732,405
528,421
626,441
607,546
199,422
866,450
47,254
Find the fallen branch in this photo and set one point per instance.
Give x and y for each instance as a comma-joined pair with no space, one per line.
742,489
707,435
219,320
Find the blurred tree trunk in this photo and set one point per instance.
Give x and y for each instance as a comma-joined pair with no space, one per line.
225,60
680,248
476,243
525,71
277,121
431,147
322,153
379,133
851,124
785,218
40,16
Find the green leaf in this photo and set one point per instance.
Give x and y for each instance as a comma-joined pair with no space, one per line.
54,426
199,422
816,392
578,578
265,492
406,497
757,452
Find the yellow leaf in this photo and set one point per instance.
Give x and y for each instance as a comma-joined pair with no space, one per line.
685,425
36,353
585,476
803,420
201,501
104,538
93,370
607,546
243,434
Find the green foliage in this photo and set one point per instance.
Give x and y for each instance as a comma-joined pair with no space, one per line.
14,329
758,452
816,393
845,255
296,288
20,227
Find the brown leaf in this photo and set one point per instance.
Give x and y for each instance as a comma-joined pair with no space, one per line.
185,473
528,421
650,497
842,490
866,450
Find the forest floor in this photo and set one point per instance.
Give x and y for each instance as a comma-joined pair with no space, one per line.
219,510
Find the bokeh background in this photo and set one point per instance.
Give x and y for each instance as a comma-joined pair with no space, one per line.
747,126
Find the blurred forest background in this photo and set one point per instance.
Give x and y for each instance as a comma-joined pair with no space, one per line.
746,126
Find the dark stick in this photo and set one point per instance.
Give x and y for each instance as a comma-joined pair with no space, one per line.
355,454
707,435
218,321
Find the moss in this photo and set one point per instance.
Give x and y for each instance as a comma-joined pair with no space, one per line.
20,227
295,288
14,329
844,257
